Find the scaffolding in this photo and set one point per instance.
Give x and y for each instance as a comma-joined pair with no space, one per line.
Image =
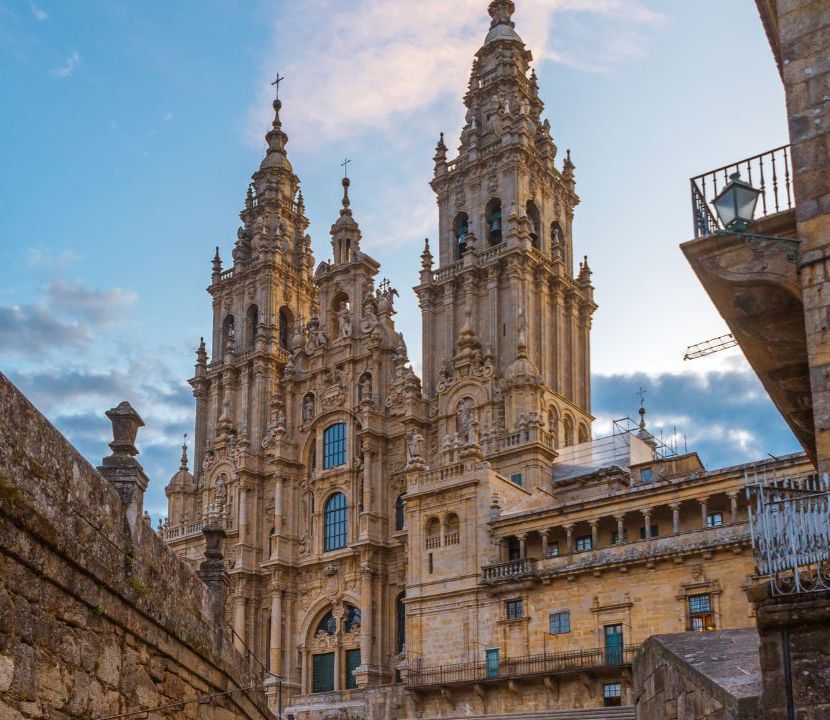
709,347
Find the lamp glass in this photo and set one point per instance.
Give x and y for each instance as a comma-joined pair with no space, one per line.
735,205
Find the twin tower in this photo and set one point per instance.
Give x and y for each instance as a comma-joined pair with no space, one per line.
309,417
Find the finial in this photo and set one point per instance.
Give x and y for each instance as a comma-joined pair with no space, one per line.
426,256
184,453
217,262
201,353
345,182
300,199
521,342
345,166
277,82
641,393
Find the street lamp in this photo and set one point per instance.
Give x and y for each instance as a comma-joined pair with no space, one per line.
735,207
735,204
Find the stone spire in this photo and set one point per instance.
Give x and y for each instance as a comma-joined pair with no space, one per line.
345,232
501,12
276,139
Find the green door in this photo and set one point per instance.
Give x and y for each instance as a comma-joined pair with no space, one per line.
613,644
352,663
322,672
492,662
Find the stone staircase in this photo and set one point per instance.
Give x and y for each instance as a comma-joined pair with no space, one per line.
624,712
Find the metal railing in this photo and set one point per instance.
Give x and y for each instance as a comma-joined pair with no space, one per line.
790,526
541,664
770,172
510,570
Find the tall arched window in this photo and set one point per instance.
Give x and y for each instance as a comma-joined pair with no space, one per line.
492,216
285,327
251,321
583,434
334,523
460,229
568,431
327,625
452,530
334,445
432,533
400,511
535,224
553,425
351,620
400,622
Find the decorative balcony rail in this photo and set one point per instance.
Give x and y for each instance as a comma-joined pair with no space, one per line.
790,525
510,570
452,538
181,531
769,172
532,434
573,661
432,542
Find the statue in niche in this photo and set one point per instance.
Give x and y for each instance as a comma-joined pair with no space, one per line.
464,420
308,408
364,388
220,492
415,448
344,320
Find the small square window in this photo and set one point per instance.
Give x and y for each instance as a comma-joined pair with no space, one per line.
654,531
560,623
714,520
514,609
700,603
646,475
611,694
516,478
701,617
553,548
583,543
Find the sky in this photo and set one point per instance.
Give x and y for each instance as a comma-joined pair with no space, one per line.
130,130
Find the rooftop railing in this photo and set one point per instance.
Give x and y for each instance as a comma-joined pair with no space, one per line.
770,172
573,661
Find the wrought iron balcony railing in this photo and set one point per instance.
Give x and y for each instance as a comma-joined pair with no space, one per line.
769,172
573,661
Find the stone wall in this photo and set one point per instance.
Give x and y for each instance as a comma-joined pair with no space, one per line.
96,620
797,626
698,676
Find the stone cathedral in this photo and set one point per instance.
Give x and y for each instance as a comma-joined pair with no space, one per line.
457,544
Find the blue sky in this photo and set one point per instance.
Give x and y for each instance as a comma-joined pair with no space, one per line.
130,130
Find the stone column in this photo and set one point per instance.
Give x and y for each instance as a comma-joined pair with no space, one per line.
288,614
647,522
620,528
704,510
544,534
278,501
733,506
594,538
239,619
675,517
569,542
367,475
243,511
522,546
366,623
304,684
275,651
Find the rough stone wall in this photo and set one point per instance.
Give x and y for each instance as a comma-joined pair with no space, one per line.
95,620
698,676
801,622
804,36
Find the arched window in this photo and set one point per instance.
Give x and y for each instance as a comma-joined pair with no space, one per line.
432,533
553,426
334,523
452,530
351,621
583,434
400,512
492,216
460,229
568,431
285,327
535,224
400,622
327,625
251,321
557,240
334,445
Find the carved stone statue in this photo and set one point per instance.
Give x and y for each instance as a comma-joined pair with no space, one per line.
344,321
220,491
464,420
364,388
308,408
415,448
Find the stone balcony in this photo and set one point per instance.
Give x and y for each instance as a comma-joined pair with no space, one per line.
621,555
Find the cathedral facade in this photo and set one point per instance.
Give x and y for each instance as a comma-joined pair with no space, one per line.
456,544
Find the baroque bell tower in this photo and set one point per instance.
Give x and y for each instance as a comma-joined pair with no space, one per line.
506,321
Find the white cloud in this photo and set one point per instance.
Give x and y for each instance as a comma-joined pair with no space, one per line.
48,262
364,64
38,13
68,66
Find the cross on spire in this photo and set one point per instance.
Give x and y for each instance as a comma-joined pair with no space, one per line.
345,166
277,82
641,393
